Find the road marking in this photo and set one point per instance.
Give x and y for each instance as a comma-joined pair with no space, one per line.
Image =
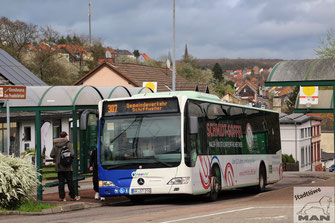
208,215
269,218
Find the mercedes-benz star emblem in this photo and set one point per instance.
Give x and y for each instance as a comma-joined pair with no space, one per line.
140,181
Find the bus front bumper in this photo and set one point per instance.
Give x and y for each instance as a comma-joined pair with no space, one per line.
167,189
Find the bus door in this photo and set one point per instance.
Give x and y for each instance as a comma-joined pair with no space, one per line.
88,137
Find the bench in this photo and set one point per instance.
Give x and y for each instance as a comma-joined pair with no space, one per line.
55,183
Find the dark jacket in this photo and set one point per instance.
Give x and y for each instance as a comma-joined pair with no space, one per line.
94,160
55,154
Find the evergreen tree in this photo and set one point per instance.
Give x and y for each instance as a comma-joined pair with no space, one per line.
217,72
62,40
136,53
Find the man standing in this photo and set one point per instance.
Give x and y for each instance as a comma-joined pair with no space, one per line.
64,171
94,167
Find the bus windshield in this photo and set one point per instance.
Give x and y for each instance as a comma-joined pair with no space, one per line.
142,141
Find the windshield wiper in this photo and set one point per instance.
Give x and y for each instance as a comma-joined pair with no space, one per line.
111,142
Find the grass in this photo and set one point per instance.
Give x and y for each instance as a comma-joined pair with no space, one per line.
34,206
31,206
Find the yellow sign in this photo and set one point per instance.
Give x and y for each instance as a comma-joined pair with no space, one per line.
308,91
309,95
152,85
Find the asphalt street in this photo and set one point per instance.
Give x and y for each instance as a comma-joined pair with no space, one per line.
273,205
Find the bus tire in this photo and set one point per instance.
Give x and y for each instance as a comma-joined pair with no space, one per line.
136,199
262,178
215,184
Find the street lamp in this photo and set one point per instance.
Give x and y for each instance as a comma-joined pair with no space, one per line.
174,50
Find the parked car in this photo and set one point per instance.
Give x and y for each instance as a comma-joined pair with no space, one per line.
332,168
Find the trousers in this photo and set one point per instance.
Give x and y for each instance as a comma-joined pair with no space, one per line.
62,177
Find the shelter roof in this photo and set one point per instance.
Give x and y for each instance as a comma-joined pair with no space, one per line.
44,96
303,71
16,73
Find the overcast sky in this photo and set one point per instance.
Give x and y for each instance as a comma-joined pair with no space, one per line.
276,29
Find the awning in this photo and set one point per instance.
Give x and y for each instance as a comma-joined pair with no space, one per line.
318,72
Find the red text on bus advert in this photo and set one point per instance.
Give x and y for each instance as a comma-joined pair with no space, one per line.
224,130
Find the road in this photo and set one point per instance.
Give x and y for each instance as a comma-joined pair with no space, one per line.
273,205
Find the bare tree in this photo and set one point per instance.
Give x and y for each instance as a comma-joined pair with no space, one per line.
16,35
49,35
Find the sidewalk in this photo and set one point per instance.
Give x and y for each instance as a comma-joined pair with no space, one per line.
86,193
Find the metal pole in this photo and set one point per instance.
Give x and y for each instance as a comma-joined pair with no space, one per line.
89,22
8,127
334,119
174,50
38,158
75,148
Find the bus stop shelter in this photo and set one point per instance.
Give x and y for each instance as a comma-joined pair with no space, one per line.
73,99
316,72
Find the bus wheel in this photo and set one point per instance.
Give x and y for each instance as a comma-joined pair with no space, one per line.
262,179
137,199
215,185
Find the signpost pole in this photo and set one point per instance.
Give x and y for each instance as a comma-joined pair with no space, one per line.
334,119
8,127
11,92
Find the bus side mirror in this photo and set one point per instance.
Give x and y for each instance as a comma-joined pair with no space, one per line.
193,124
84,118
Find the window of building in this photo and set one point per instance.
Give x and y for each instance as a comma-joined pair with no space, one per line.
27,134
302,156
318,130
309,154
318,151
302,133
56,128
309,132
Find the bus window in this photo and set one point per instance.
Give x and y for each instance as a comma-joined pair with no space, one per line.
193,137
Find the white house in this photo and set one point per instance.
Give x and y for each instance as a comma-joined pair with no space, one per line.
296,139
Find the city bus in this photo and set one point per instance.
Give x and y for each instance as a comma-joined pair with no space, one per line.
185,143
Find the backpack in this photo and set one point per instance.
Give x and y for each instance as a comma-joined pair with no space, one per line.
65,156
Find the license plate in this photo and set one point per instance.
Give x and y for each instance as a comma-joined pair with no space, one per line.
141,191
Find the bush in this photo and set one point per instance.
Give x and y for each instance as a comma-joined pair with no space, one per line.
18,180
284,158
287,158
291,159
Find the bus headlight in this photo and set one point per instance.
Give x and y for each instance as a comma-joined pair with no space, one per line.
179,180
106,183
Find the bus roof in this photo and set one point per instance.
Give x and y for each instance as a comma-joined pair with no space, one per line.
190,94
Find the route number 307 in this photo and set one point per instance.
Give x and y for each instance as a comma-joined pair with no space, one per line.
112,108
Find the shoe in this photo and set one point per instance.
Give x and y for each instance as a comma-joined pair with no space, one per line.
102,198
77,198
62,199
97,196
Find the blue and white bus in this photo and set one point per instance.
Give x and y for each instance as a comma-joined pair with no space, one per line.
185,143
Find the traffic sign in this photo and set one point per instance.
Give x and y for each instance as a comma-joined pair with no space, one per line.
309,95
12,92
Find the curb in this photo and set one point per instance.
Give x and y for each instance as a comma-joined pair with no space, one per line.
55,210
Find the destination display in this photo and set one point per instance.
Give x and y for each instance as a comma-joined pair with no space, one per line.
145,106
